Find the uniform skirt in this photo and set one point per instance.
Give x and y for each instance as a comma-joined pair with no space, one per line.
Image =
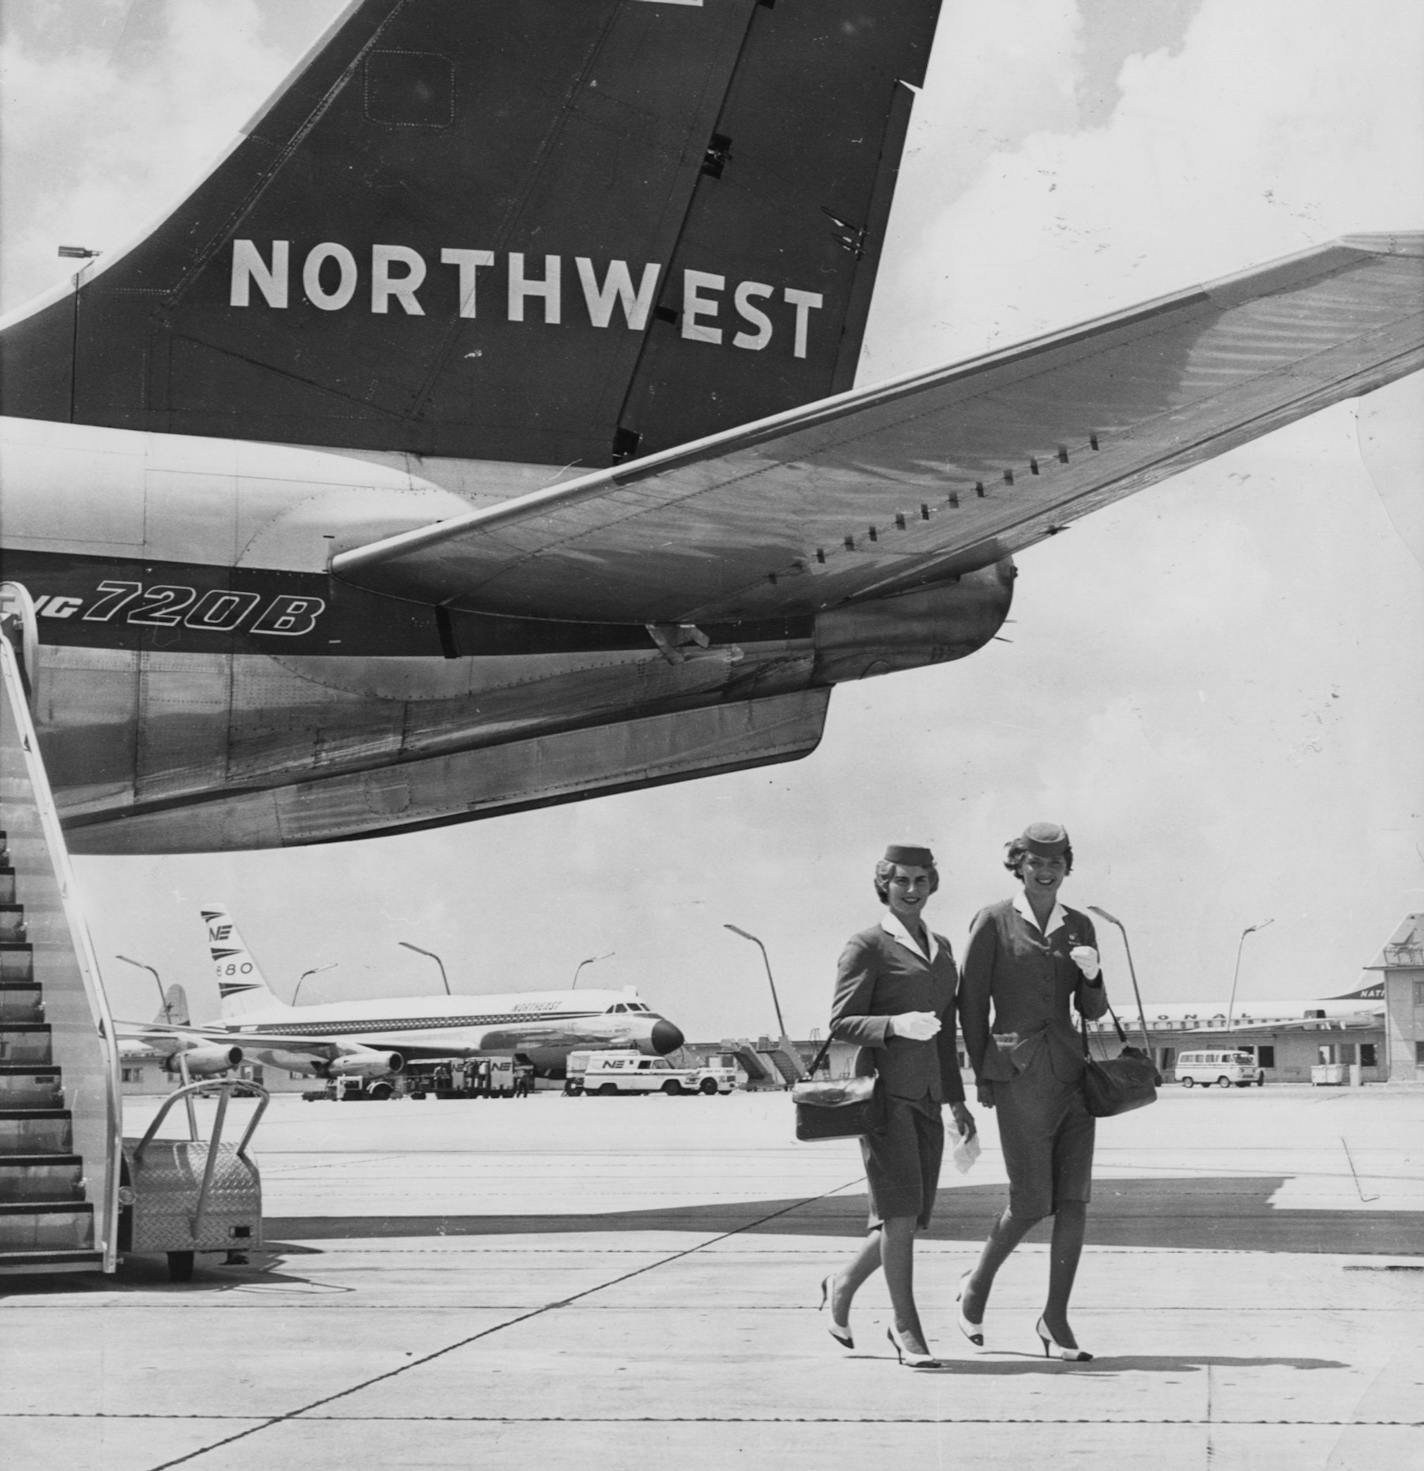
1046,1134
902,1160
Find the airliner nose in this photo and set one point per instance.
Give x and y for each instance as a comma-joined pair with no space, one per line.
666,1037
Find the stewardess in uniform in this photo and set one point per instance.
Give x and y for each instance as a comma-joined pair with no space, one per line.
894,996
1030,958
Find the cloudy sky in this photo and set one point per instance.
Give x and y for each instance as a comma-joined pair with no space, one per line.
1215,685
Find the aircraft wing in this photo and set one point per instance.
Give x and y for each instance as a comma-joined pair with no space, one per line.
154,1033
887,488
324,1047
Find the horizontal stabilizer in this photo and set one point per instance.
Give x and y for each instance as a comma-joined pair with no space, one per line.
921,479
563,766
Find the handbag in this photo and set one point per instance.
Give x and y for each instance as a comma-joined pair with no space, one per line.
1130,1080
1118,1084
839,1109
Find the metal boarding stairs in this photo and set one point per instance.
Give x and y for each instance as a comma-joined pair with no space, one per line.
74,1193
767,1063
60,1119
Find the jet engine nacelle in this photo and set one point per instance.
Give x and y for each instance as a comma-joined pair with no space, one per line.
929,626
205,1061
363,1062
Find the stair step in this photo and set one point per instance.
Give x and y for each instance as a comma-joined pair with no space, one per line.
21,1001
19,1263
35,1131
17,962
30,1087
41,1177
12,920
27,1043
49,1226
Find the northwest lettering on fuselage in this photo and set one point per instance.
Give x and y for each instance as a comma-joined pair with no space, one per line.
745,314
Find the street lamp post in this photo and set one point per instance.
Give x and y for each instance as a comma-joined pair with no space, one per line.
1131,971
1235,975
168,1021
590,961
315,970
433,956
770,982
162,999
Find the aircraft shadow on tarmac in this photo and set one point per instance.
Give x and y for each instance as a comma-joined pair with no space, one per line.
1221,1213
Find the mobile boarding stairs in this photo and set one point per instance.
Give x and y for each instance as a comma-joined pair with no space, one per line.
74,1193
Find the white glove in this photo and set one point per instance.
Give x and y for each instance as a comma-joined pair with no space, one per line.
918,1026
1086,959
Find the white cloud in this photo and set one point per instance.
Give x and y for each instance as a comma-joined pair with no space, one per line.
96,149
1276,126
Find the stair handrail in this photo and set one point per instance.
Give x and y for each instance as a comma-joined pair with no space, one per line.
224,1088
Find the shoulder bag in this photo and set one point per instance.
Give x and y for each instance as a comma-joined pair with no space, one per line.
1118,1084
839,1109
1130,1080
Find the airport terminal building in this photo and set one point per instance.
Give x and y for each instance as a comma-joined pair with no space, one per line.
1401,967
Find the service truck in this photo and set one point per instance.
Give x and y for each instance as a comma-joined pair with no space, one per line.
632,1072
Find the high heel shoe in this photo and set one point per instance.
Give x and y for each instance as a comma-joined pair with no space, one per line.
839,1331
907,1357
973,1331
1069,1355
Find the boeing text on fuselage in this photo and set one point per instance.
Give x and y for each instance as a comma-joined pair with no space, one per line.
169,605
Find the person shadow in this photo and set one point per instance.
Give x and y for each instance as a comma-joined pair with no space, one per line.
1001,1363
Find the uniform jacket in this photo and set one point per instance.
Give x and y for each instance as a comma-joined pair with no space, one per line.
1017,984
882,972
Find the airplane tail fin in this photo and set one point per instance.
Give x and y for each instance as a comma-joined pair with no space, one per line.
1374,991
241,984
174,1011
556,232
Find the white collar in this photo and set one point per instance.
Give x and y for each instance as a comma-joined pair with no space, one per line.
1058,918
893,926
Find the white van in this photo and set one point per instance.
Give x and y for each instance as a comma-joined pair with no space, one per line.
630,1072
1227,1068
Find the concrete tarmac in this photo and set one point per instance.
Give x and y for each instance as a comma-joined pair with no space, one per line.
632,1284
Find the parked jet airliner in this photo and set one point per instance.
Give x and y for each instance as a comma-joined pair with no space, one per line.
376,1037
482,432
1368,1000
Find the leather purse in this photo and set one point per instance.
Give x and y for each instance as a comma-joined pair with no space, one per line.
1115,1085
843,1108
1119,1084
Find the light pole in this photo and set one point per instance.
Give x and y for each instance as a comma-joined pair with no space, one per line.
433,956
1235,975
182,1060
590,961
162,999
313,971
1131,971
767,963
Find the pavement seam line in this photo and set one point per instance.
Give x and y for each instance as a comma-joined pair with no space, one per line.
1353,1424
282,1419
